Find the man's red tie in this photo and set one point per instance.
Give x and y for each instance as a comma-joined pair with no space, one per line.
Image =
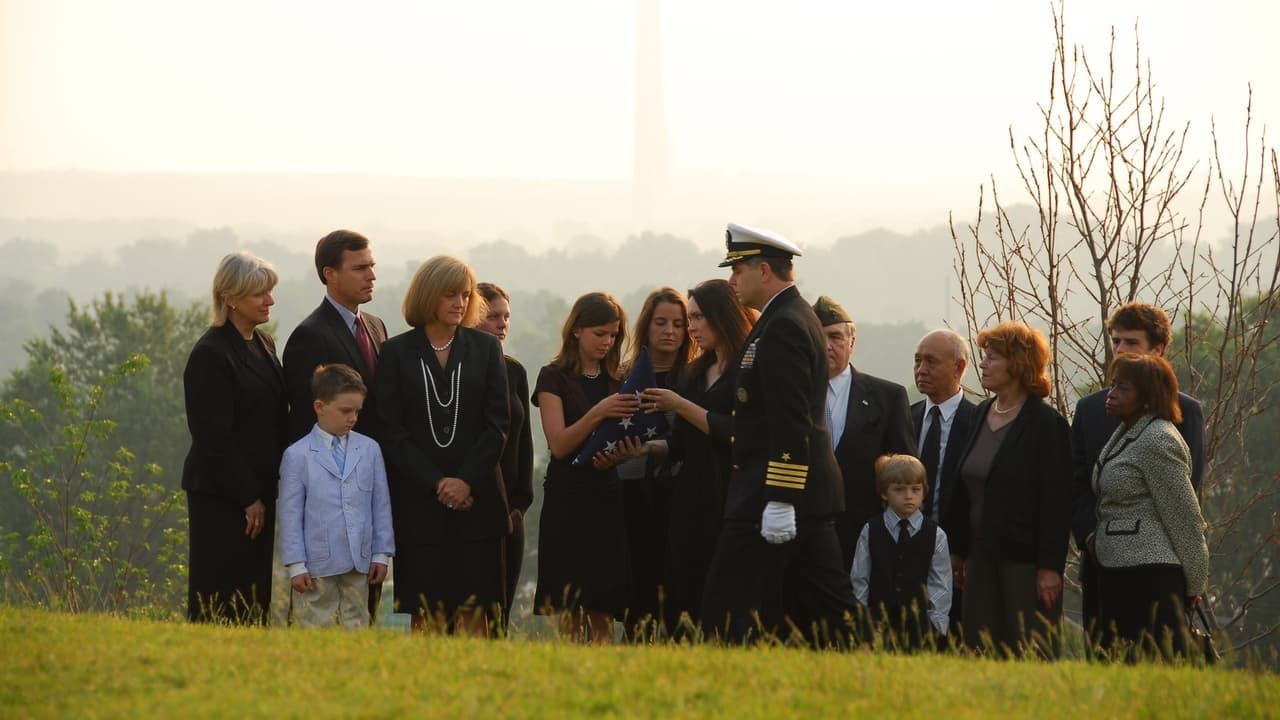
366,347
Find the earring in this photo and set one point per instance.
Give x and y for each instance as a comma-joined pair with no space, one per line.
233,307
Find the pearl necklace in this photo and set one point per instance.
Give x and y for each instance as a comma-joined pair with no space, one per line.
444,347
589,376
455,400
995,405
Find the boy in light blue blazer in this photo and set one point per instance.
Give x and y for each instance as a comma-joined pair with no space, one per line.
334,509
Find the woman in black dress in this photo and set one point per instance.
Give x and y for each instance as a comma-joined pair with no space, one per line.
442,396
236,411
719,324
517,455
582,544
646,481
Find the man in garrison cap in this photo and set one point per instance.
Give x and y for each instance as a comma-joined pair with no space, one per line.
867,417
778,556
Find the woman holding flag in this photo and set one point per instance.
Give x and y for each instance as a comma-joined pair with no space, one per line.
582,548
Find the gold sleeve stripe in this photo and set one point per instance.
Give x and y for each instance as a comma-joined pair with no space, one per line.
785,485
774,464
789,473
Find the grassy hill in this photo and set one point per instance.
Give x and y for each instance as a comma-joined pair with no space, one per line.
54,665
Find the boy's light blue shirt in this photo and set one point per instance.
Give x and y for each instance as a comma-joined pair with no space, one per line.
331,522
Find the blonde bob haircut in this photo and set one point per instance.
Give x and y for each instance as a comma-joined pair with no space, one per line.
239,274
434,279
899,470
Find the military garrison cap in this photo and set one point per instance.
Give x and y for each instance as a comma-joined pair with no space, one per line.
829,312
744,243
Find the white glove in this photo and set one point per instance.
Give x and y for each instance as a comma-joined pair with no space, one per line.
778,524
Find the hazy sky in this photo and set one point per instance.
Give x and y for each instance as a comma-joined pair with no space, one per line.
910,99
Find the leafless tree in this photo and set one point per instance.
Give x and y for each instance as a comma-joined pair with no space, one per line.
1118,213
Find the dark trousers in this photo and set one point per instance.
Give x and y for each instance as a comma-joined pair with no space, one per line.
753,588
514,562
1140,605
229,575
1089,596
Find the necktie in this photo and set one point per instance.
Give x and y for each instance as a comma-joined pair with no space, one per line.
831,430
929,455
366,347
339,454
904,531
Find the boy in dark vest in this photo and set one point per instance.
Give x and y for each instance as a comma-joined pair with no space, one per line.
902,566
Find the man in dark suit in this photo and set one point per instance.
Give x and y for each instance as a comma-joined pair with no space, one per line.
1138,328
940,423
336,332
867,418
778,551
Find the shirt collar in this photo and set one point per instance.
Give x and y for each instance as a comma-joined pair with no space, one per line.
840,382
347,316
328,439
947,407
915,520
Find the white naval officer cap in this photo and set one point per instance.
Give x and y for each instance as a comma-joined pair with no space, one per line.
743,243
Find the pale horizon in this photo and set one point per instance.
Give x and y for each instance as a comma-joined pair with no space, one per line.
815,119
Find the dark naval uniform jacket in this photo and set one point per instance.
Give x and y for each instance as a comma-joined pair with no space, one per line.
780,447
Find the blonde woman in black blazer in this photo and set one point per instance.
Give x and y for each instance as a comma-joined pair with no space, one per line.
443,399
236,412
1010,517
1149,544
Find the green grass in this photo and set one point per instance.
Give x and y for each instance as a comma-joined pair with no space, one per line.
55,665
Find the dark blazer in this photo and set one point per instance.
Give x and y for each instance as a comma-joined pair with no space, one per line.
961,424
1026,512
416,462
517,454
320,339
781,449
236,412
1091,428
877,422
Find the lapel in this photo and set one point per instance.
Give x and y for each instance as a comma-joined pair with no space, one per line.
1122,439
377,332
239,348
355,453
323,454
917,420
1013,440
337,327
863,409
757,330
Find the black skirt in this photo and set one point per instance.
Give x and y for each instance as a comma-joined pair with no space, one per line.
582,543
462,575
229,575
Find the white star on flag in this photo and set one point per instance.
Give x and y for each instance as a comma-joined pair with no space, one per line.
626,423
610,447
651,433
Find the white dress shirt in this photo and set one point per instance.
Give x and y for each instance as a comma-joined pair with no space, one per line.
948,410
838,403
938,583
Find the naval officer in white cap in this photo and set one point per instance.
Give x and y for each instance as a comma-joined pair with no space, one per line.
778,557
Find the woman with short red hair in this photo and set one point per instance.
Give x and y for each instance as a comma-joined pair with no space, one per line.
1010,517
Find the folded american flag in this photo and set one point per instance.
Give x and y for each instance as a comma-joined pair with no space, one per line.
647,426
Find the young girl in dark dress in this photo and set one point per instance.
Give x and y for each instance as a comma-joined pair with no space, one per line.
646,482
517,455
582,549
719,324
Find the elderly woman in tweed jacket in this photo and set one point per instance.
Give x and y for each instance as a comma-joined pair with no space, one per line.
1150,540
